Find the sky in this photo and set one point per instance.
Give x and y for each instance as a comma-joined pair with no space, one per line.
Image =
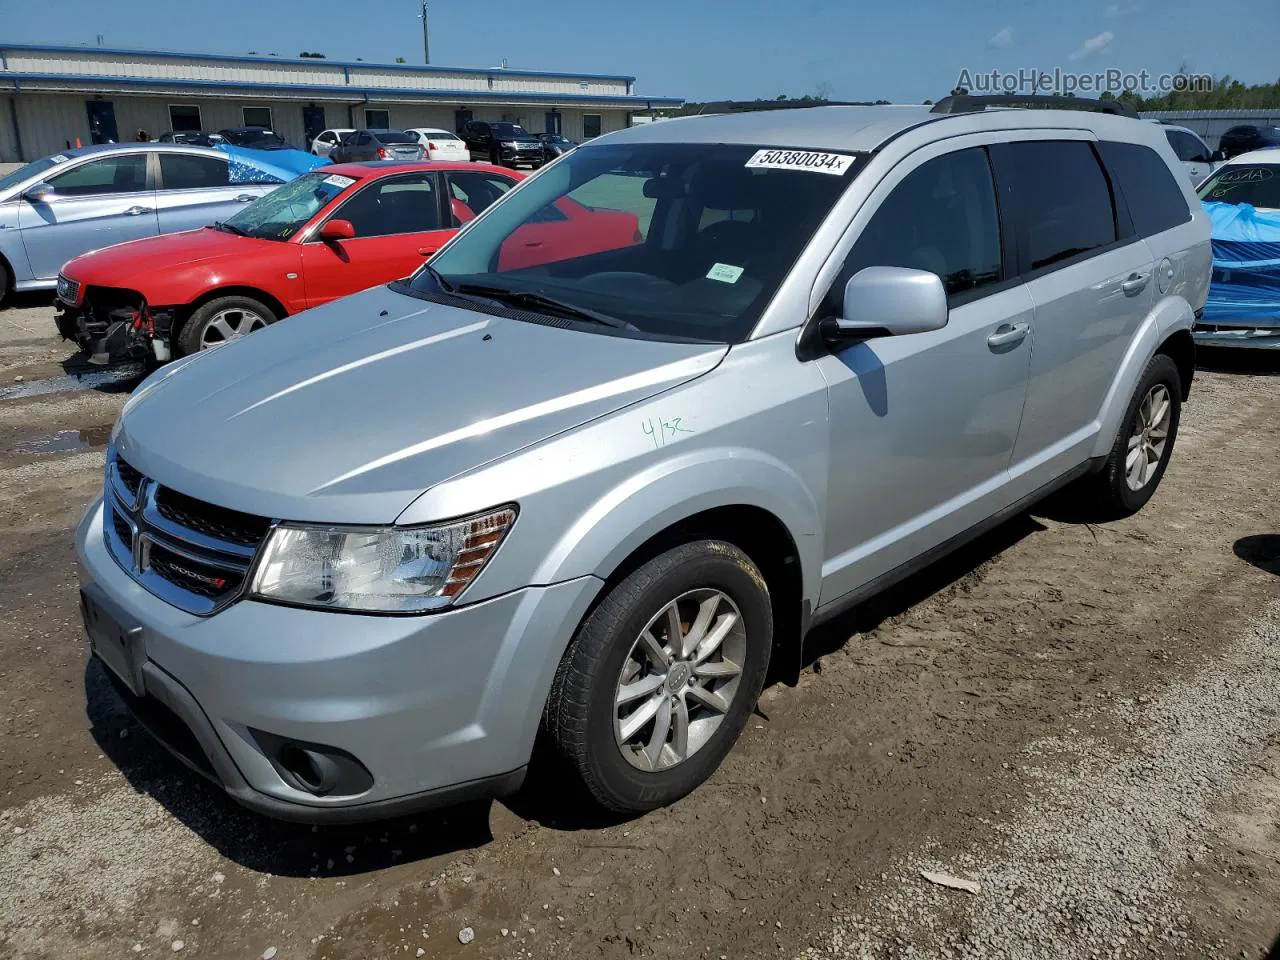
707,49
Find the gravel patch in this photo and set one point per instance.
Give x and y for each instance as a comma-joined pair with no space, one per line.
1088,869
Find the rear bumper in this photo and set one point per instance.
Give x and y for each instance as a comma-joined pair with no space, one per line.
431,709
1249,334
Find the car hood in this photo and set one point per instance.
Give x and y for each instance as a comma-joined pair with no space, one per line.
347,413
113,266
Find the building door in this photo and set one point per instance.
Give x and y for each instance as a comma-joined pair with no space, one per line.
312,123
460,119
102,121
553,122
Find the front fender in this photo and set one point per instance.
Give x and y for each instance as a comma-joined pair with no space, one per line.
1169,316
626,516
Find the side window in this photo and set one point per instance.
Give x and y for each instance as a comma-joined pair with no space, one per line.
395,205
471,194
941,218
1188,148
327,137
1152,194
125,173
377,119
1064,199
183,171
590,125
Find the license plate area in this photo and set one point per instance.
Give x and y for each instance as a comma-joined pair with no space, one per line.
116,644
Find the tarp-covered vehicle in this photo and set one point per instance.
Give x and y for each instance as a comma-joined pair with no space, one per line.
1242,199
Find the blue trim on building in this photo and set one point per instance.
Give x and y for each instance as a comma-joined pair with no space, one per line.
343,93
307,61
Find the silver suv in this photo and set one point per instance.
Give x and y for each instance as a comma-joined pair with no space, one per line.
360,562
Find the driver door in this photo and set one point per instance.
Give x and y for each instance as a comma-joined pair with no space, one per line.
922,427
398,222
106,200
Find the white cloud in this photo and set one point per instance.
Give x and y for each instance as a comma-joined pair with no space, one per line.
1001,38
1093,45
1116,10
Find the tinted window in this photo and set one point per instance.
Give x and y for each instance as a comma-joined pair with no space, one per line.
1188,148
590,125
506,131
257,117
327,137
473,192
406,204
118,174
180,171
1064,199
377,119
1253,183
184,117
941,218
1152,194
393,136
362,138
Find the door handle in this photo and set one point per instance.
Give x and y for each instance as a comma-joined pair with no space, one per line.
1135,284
245,198
136,211
1008,333
427,251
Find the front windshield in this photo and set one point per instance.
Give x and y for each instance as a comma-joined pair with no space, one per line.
505,131
1257,184
30,170
283,211
677,240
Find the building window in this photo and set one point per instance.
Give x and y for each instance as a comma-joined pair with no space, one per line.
184,117
590,125
377,120
257,117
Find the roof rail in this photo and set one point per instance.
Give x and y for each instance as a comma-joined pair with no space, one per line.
965,103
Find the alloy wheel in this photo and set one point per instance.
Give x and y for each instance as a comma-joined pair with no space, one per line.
679,679
228,325
1150,437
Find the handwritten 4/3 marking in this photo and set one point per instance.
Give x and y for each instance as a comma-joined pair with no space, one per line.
663,429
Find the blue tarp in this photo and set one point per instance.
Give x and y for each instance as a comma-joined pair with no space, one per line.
1246,264
268,166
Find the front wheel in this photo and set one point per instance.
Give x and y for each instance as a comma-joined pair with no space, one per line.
659,681
221,321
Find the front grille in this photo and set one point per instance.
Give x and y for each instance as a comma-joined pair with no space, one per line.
219,523
191,575
193,554
130,477
68,289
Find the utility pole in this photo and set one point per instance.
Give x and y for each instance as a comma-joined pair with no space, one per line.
426,35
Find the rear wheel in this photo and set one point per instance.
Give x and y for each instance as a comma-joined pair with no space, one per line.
1140,454
5,280
223,320
660,679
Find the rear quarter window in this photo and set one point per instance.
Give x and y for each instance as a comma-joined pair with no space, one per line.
1156,202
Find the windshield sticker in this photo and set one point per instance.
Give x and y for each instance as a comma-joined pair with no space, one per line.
833,163
724,273
59,158
339,181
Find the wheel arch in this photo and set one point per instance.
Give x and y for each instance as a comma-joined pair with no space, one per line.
1181,349
255,293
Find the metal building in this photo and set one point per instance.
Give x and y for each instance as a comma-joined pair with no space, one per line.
52,96
1212,124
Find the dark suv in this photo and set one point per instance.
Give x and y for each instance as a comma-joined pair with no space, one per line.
1248,137
505,143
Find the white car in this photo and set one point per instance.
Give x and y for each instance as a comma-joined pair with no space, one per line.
440,144
1196,157
324,144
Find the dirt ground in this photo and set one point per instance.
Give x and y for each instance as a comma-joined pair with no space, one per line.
1082,717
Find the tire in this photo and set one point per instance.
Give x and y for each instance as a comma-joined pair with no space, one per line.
5,280
1110,493
201,327
586,728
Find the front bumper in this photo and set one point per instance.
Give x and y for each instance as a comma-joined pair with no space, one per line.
436,708
1251,334
532,155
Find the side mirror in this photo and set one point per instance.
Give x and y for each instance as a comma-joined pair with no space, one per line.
888,302
1218,156
337,230
39,193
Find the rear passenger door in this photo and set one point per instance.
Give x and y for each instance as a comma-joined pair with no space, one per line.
194,190
1193,154
1090,278
922,426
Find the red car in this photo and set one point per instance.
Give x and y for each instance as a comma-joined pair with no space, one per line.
329,233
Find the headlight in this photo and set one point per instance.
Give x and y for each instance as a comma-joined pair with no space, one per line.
378,569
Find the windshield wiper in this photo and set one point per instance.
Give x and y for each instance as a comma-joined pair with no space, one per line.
538,301
438,277
230,228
